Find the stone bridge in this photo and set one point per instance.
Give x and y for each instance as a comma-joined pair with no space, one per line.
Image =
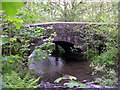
70,33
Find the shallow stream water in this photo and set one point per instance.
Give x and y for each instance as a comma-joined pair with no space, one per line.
55,67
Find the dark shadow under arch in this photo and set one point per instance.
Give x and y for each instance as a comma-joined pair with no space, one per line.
67,46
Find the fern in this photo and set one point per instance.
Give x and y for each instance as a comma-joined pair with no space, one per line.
13,80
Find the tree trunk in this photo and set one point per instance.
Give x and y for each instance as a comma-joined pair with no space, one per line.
51,13
65,14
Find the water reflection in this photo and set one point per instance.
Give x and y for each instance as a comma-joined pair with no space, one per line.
49,65
55,67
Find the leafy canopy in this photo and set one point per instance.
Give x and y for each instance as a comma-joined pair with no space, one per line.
11,7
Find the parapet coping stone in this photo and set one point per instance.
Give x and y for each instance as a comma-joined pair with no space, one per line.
84,23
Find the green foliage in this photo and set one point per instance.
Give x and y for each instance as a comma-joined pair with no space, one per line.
36,12
11,7
71,82
108,58
68,77
15,42
39,54
70,11
4,41
107,75
13,80
109,79
2,83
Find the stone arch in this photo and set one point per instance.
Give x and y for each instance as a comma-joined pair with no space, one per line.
67,46
71,32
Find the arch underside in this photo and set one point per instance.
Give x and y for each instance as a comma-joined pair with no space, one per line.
67,46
